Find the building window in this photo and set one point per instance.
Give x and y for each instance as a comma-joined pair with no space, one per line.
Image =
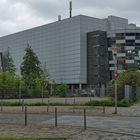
130,42
120,36
130,34
137,35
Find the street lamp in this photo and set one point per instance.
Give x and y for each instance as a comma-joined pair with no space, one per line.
114,51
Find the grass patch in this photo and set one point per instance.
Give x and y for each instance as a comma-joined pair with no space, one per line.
5,103
32,139
122,103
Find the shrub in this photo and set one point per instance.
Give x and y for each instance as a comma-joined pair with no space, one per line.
125,103
122,103
61,90
111,90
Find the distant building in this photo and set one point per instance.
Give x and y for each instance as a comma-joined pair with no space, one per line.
76,50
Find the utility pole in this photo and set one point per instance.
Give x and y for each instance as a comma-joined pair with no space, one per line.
115,76
114,52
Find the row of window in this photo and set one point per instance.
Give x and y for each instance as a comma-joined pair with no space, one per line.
123,35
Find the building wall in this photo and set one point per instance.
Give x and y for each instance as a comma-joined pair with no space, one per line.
97,58
61,46
88,24
56,44
127,42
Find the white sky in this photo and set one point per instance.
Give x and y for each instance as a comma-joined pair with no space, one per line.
17,15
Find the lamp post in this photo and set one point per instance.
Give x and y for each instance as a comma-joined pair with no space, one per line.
115,76
114,51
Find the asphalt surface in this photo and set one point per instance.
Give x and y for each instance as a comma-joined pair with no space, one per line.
99,122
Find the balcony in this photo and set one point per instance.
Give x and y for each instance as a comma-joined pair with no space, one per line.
112,68
137,41
129,47
120,41
137,58
120,71
111,61
129,61
121,54
130,37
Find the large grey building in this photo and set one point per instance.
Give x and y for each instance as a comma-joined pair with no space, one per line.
74,50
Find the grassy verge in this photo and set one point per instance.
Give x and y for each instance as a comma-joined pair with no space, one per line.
5,103
32,139
122,103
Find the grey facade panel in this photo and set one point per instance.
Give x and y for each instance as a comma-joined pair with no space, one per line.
56,44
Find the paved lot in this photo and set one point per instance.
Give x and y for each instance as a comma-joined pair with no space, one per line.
124,126
71,133
99,122
70,127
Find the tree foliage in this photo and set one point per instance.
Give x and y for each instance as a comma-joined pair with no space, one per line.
129,77
9,83
8,62
61,90
30,67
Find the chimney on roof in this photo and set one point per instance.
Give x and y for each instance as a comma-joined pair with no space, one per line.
70,4
59,17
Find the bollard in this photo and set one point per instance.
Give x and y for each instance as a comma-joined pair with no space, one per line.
55,117
1,105
85,125
25,115
42,96
48,105
103,109
22,105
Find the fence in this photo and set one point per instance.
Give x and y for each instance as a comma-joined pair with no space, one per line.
54,117
43,92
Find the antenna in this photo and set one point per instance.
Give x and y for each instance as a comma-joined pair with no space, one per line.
70,9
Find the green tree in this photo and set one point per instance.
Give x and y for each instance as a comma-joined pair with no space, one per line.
61,90
9,84
8,62
30,67
129,77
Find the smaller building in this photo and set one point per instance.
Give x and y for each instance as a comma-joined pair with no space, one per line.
127,42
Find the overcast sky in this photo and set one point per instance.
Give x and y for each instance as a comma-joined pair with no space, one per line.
17,15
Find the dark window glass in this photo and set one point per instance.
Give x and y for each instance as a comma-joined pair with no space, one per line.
137,44
137,35
120,36
130,42
130,34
